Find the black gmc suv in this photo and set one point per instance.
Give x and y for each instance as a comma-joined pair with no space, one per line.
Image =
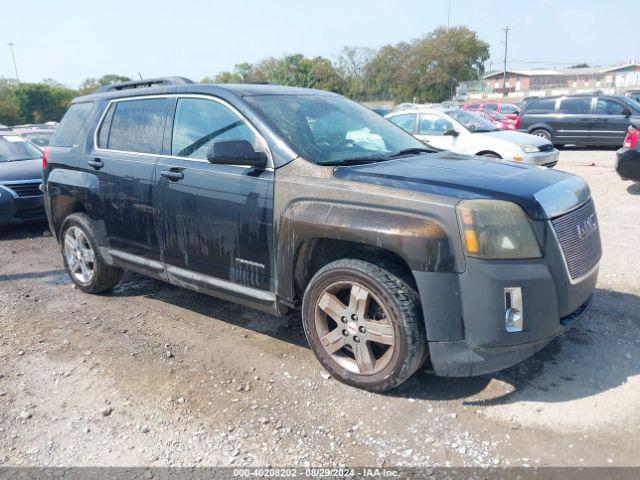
579,119
282,198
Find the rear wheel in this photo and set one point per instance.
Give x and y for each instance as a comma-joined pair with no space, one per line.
541,132
364,325
82,259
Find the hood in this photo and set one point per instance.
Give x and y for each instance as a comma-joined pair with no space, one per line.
20,170
543,193
515,137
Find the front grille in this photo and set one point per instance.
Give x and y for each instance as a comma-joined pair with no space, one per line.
579,235
31,189
547,147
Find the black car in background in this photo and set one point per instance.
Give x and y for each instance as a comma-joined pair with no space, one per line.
579,119
628,157
21,200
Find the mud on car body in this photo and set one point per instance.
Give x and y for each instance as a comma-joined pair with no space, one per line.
284,198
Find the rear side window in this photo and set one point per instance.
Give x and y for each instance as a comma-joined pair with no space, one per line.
406,121
575,106
134,126
71,123
542,106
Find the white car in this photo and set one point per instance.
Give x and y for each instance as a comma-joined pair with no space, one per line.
462,131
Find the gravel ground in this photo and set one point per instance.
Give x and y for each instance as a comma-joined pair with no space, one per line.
155,375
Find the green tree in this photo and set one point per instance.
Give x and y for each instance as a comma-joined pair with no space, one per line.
90,85
40,102
428,69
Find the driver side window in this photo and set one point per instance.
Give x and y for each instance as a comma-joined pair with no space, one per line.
433,125
199,122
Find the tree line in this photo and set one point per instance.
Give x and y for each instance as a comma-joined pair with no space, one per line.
422,70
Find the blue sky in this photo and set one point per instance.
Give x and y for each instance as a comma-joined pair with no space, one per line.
71,40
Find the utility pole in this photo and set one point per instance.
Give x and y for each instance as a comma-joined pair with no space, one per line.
449,16
504,76
13,55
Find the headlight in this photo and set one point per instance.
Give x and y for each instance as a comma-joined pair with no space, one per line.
496,230
528,148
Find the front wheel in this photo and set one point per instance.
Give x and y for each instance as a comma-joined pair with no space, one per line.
541,132
364,324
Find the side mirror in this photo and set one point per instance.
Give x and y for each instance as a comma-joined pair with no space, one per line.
626,112
236,152
451,133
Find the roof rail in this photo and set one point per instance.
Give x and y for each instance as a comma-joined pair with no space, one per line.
146,83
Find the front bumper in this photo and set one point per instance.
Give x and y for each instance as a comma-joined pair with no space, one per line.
544,159
628,164
16,210
464,313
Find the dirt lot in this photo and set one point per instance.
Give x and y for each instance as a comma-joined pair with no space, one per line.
155,375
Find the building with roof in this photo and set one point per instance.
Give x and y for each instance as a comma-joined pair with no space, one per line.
521,82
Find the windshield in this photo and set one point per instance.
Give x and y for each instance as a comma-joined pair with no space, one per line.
329,129
14,148
472,122
634,104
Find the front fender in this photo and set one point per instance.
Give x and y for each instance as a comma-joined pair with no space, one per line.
421,242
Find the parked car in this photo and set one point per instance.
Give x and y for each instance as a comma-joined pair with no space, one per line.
496,118
633,95
509,110
20,180
579,119
463,131
39,134
628,157
280,198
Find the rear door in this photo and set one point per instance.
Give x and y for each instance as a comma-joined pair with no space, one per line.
609,125
573,120
129,141
216,221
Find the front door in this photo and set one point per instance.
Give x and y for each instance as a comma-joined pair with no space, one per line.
437,131
572,122
216,221
610,124
129,141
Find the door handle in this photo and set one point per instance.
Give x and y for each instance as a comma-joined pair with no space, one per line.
172,175
96,163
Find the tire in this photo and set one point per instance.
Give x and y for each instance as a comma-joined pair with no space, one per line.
541,132
490,155
77,227
383,344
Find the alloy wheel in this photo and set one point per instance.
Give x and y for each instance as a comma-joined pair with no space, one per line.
354,328
79,254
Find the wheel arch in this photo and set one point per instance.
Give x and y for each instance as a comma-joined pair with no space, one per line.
488,152
313,234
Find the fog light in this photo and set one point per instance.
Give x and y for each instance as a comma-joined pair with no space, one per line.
513,309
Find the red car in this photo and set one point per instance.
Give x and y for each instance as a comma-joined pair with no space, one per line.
509,110
628,157
496,118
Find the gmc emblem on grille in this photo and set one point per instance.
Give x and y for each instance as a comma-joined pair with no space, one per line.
587,227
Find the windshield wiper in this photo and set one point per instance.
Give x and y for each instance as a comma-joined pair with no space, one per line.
412,151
